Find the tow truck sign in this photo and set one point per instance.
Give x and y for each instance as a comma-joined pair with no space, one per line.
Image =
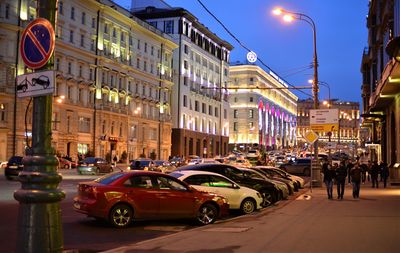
35,84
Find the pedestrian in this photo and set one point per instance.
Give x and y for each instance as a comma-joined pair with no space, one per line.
329,175
355,174
384,173
349,167
341,174
369,167
364,169
374,174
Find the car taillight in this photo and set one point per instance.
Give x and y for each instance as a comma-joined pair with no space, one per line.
91,164
87,190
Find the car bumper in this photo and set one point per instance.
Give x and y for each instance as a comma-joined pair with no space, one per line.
89,207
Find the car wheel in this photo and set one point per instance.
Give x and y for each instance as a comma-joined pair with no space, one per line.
267,198
207,214
306,172
121,216
248,206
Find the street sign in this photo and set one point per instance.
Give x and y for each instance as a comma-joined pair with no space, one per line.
37,43
331,145
35,84
311,137
324,120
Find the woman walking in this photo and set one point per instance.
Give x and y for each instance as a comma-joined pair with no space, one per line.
329,175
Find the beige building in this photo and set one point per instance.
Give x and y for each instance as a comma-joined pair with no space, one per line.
114,72
263,110
348,134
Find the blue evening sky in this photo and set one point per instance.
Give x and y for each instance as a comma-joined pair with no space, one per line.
288,48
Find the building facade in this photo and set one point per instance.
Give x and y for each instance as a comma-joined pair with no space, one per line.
348,133
381,82
200,107
113,71
263,111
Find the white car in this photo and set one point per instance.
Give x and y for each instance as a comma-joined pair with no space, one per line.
239,197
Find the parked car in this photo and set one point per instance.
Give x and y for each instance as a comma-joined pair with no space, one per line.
278,177
142,164
239,197
268,190
299,181
66,164
163,166
94,165
298,166
121,197
283,189
14,167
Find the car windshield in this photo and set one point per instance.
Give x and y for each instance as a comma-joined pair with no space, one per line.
109,178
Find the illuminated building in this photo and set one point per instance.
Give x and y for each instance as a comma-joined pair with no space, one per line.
200,107
260,118
349,127
114,71
380,68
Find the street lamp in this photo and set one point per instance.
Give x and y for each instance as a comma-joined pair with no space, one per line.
289,16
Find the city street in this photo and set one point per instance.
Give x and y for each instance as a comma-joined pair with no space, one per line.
80,233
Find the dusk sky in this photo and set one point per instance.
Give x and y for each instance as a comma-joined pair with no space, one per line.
287,48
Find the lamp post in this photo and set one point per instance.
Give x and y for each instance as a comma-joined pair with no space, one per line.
39,216
289,16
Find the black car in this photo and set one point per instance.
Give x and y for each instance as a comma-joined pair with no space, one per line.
269,191
142,164
14,167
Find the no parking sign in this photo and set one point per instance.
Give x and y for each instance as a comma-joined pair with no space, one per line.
37,43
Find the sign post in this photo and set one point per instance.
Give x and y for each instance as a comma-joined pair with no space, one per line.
39,215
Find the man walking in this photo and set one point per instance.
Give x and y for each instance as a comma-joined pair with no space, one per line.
355,174
384,173
374,174
329,174
341,174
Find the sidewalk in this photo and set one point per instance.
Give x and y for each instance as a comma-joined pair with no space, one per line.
311,223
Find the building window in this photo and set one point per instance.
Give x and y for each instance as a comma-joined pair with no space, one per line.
145,47
235,126
82,40
114,33
138,63
71,36
90,74
169,26
203,108
196,105
73,13
251,125
132,132
251,113
92,43
106,28
83,21
60,7
184,101
145,66
138,44
235,114
210,110
58,64
69,68
216,112
68,124
80,71
225,114
186,49
93,22
251,99
2,112
152,50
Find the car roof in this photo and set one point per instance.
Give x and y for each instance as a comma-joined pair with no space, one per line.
198,172
205,165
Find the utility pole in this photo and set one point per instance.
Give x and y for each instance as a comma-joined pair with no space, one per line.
39,216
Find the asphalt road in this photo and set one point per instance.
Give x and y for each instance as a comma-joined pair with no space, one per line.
81,234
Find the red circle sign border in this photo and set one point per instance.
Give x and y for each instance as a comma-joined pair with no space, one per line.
49,27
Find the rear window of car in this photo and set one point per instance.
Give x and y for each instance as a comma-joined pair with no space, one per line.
109,178
15,159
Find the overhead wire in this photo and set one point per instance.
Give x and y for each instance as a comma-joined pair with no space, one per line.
242,44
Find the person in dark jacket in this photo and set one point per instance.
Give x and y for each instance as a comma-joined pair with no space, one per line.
329,175
374,174
384,173
355,174
341,174
349,167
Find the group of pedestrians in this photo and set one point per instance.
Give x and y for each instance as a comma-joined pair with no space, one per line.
355,174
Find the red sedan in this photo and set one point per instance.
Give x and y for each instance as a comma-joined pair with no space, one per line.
124,196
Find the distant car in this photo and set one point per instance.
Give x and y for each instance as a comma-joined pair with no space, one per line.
66,164
239,197
163,166
122,197
298,166
14,167
94,165
142,164
41,80
297,181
